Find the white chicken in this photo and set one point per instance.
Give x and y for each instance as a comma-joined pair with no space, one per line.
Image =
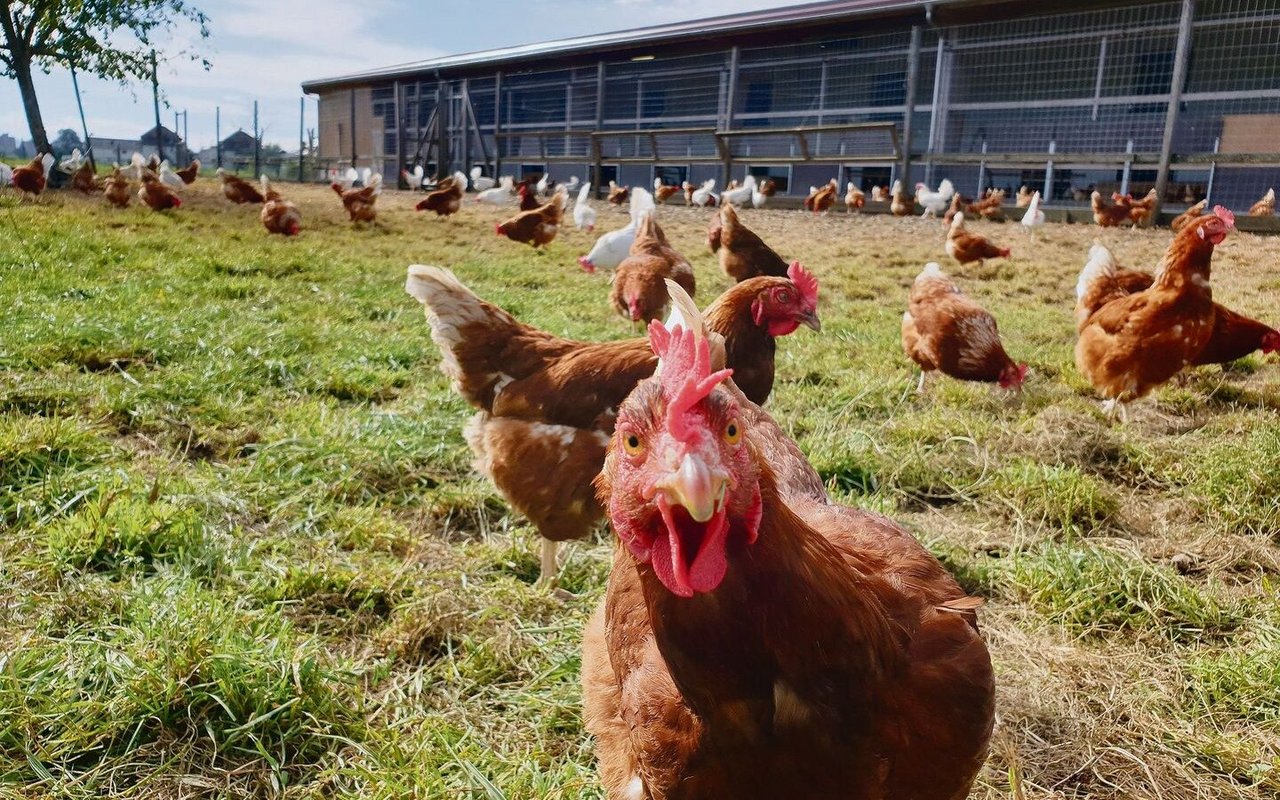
415,179
168,177
543,183
758,198
611,248
935,203
479,183
584,216
742,195
572,185
6,174
501,195
137,164
705,194
1034,217
72,162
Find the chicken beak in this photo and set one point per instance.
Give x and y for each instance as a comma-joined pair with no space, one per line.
695,487
810,320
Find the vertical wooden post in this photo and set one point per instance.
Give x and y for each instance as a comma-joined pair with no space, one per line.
1180,59
257,143
731,93
75,84
353,127
938,110
909,112
597,169
497,125
302,134
443,122
155,100
217,134
399,99
464,126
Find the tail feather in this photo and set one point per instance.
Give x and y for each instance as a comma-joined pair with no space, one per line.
472,334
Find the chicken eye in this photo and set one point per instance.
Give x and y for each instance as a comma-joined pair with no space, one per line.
784,296
732,433
632,444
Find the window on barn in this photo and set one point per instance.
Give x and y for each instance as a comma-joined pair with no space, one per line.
780,175
759,100
888,90
1152,75
653,102
671,176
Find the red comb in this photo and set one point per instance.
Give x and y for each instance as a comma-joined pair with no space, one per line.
804,281
1225,215
686,378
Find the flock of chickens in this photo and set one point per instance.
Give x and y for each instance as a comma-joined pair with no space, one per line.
756,639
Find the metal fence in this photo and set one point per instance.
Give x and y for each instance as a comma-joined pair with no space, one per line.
1183,95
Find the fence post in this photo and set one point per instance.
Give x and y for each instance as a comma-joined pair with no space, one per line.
353,127
497,125
938,108
399,99
1180,59
217,134
155,99
257,141
1048,172
75,84
597,168
913,84
982,169
1213,168
302,133
1128,167
731,93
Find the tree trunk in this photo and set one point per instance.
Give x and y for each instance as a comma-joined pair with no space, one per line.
22,72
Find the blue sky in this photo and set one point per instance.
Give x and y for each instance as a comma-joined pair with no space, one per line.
263,51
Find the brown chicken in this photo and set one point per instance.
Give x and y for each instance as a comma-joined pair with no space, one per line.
1265,207
116,189
447,197
945,331
86,180
1024,197
279,215
662,193
991,207
639,292
537,227
958,206
966,247
237,190
189,172
742,253
547,404
31,179
618,194
1109,216
1180,221
1140,211
362,203
821,200
900,204
1133,344
156,195
688,189
854,198
1234,335
757,640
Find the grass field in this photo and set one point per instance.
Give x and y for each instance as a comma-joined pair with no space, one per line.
244,553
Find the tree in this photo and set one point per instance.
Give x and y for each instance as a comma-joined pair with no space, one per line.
66,140
113,39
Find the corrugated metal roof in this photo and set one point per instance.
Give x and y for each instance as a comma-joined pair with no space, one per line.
657,35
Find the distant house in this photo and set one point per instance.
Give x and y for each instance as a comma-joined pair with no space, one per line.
238,144
113,151
8,145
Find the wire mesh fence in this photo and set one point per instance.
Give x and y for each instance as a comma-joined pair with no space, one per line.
1062,101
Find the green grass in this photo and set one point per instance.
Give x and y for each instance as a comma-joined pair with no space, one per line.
244,552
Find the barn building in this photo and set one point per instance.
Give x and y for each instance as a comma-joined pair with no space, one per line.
1183,95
